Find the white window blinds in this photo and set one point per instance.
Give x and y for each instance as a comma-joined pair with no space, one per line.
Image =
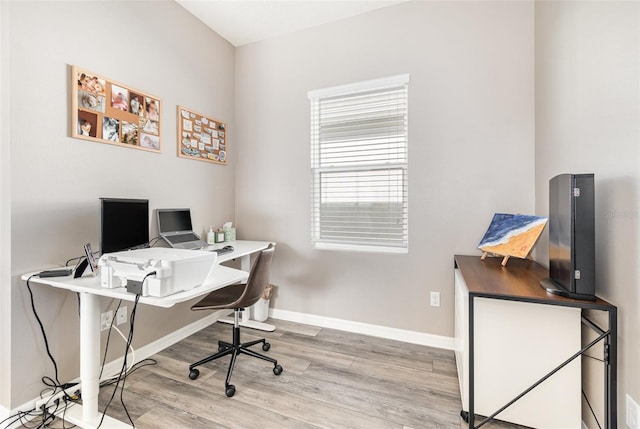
359,157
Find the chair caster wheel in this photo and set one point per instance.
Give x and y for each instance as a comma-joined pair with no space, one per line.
193,374
230,390
277,370
266,347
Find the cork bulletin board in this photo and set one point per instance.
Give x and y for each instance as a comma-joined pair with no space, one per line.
106,111
201,137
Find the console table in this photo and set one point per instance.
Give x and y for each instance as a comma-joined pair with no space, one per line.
518,348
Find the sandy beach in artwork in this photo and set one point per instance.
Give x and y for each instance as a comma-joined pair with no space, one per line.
518,245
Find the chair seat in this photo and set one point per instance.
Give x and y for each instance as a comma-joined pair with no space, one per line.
224,298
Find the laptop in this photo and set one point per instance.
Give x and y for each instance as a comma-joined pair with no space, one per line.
174,227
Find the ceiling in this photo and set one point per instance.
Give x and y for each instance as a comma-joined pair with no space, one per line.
246,21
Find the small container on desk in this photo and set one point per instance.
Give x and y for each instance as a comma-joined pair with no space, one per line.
229,234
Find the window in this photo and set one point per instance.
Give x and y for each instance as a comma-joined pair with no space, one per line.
359,158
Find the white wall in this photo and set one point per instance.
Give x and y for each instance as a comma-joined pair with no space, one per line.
56,181
471,150
471,137
588,121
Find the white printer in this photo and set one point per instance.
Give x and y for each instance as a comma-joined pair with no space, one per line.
175,270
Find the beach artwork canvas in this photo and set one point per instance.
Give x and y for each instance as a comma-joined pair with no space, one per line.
512,234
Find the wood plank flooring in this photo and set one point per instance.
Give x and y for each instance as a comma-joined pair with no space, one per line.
331,379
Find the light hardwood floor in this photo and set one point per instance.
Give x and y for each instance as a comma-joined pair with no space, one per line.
331,379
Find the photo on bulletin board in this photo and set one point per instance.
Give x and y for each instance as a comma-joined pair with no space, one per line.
201,137
106,111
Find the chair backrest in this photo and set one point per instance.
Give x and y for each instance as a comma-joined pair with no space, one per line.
258,278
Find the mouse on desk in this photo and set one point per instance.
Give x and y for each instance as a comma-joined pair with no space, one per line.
222,250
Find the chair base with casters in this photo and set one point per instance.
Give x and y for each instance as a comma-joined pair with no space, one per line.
234,349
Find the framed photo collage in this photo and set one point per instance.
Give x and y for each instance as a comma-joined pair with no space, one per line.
110,112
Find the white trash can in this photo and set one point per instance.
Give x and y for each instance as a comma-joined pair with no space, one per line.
261,310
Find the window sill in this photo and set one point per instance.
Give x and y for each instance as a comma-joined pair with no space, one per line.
360,248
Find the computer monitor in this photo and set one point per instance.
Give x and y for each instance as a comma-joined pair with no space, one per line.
124,224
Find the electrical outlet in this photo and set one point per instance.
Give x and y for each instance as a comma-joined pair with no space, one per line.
105,320
633,413
121,316
435,299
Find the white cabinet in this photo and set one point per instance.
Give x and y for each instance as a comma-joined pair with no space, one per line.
461,336
515,344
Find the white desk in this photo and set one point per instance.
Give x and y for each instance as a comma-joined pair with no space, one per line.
90,291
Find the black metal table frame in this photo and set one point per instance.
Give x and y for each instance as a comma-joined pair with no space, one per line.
610,358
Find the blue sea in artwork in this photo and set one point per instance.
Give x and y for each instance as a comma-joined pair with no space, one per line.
504,226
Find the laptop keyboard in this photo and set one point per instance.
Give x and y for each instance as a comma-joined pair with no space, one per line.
177,239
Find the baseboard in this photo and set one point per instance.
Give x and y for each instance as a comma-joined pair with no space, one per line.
144,352
4,413
412,337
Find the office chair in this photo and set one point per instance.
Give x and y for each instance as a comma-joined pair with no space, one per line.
238,297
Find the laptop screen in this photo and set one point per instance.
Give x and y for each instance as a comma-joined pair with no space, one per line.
174,220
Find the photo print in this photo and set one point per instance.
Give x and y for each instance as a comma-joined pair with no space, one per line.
136,104
149,141
90,101
149,126
129,133
152,108
110,129
87,82
119,98
87,124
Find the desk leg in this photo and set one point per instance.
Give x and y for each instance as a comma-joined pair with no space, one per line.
87,415
89,354
245,265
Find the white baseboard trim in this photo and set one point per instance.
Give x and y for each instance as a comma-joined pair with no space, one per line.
113,367
412,337
4,413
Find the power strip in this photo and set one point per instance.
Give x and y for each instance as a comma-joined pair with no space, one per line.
51,400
